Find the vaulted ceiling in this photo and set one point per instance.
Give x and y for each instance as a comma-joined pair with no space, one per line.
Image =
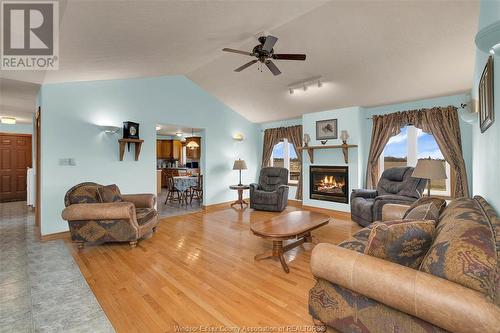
368,52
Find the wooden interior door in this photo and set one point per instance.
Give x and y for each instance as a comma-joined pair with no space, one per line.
15,158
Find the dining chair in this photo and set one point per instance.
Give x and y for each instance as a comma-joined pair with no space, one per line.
172,190
197,190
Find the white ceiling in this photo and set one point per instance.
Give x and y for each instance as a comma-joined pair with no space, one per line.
370,52
18,99
171,130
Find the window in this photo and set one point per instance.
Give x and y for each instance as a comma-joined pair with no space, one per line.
285,156
409,146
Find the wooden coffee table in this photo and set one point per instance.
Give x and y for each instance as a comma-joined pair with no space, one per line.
294,225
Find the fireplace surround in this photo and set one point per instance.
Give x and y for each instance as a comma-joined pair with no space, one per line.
329,183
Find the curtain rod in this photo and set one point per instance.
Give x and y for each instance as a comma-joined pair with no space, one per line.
462,106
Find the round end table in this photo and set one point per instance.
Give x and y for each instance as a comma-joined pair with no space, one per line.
240,189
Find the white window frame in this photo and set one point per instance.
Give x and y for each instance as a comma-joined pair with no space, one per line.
412,157
286,160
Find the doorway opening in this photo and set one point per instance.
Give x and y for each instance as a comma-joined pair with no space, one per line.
179,172
16,163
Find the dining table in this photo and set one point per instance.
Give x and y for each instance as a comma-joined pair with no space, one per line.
183,184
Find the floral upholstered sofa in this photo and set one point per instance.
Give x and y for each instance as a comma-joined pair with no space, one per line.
98,214
455,287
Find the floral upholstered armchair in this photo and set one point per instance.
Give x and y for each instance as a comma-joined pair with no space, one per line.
98,214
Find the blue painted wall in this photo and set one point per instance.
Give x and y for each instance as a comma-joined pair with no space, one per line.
456,100
17,128
347,119
82,106
486,145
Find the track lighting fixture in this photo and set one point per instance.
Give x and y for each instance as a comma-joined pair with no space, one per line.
306,84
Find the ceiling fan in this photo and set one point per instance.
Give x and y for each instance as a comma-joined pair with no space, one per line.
264,52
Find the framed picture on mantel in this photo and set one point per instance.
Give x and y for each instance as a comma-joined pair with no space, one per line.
486,112
326,129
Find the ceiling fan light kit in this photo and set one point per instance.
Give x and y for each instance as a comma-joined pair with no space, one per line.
264,52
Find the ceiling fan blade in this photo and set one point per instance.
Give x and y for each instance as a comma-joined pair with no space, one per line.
248,64
272,67
269,43
237,51
289,56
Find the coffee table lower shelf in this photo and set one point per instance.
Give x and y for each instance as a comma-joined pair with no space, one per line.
283,227
279,250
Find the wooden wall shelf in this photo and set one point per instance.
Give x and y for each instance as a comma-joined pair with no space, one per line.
344,147
136,142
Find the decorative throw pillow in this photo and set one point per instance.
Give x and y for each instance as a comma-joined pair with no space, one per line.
427,211
403,242
438,202
110,193
84,194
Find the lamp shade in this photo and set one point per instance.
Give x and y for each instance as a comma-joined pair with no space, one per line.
239,165
429,169
344,135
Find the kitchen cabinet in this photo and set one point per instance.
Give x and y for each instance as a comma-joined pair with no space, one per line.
193,154
159,181
169,149
177,150
163,148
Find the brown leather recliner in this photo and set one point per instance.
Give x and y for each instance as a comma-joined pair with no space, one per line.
92,221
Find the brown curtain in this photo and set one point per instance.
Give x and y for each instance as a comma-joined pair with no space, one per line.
384,127
272,136
444,125
295,137
441,122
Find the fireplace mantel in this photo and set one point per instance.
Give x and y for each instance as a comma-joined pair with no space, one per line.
344,147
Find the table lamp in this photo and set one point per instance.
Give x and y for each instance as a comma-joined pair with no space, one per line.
239,164
429,169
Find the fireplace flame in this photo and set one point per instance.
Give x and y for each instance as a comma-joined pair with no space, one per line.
330,184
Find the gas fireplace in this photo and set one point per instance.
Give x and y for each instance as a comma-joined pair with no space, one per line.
329,183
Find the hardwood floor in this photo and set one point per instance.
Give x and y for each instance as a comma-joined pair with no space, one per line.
199,269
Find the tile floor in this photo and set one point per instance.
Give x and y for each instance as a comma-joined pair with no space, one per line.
41,287
174,208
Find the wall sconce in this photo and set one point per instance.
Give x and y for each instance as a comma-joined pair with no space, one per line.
8,120
469,109
238,137
110,129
